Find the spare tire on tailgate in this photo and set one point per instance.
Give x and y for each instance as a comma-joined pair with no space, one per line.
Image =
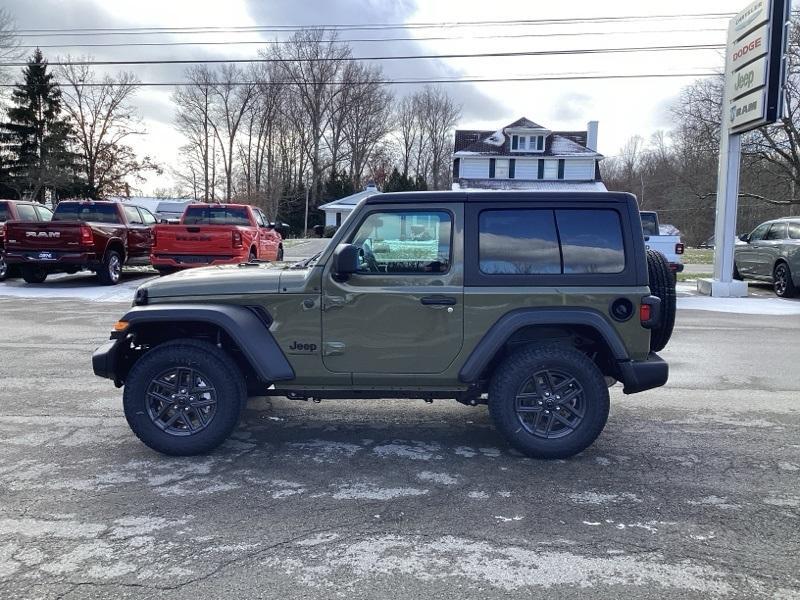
662,284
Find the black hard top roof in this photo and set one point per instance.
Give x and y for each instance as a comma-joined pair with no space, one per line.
499,196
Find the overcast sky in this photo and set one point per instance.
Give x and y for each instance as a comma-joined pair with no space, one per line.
623,107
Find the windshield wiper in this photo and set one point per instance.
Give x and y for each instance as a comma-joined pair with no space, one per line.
303,264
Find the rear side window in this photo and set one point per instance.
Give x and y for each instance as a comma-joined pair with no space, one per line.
216,215
518,242
591,241
86,211
649,223
26,212
794,230
776,232
4,212
540,242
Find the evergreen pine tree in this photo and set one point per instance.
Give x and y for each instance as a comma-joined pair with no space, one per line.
35,141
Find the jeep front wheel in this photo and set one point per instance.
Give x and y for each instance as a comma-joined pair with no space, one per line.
549,401
184,397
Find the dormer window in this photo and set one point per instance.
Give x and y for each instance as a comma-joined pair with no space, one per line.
527,143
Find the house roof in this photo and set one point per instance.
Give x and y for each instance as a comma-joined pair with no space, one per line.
534,185
349,202
498,143
523,123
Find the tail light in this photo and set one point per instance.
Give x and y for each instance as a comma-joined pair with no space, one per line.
87,239
678,248
644,313
236,239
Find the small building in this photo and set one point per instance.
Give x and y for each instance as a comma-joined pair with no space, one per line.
338,210
524,155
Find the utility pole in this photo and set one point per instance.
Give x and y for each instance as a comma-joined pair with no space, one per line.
305,222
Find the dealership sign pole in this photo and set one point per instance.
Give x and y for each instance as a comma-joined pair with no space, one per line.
755,67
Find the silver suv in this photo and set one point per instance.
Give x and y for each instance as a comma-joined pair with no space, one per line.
771,252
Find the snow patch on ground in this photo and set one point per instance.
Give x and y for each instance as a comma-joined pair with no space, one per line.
598,499
441,478
411,450
747,306
721,503
324,451
508,568
369,491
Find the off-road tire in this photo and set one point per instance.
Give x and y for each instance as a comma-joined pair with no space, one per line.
34,274
783,273
511,376
662,285
110,271
224,376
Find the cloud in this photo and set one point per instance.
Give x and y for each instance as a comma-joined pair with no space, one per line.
572,106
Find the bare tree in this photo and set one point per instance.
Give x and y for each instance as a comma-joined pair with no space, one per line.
408,132
104,120
232,94
9,43
367,118
439,115
312,62
193,120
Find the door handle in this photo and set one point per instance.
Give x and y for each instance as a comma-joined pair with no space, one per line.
438,300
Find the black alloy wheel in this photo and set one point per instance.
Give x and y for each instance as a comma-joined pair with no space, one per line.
550,404
782,281
181,401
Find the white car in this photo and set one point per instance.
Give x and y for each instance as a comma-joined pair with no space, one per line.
670,246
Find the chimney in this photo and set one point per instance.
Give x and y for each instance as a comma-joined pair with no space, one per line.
591,135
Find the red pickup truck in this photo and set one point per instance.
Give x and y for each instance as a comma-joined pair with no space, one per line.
215,234
96,235
18,210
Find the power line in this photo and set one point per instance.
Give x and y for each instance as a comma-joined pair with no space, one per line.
181,61
358,27
420,81
371,40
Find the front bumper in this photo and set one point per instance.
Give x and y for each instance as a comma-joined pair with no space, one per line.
641,375
104,360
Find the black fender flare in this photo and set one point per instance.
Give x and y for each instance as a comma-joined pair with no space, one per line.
248,328
508,324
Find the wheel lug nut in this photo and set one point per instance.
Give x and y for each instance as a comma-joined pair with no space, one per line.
547,412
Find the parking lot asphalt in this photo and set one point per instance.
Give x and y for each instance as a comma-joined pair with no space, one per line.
691,491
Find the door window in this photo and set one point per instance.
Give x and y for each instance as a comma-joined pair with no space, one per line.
260,221
759,232
44,213
777,232
147,217
405,242
794,230
591,241
133,216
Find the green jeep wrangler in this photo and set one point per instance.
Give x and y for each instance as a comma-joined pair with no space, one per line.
532,303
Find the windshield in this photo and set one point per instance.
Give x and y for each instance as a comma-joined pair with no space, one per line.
86,211
216,215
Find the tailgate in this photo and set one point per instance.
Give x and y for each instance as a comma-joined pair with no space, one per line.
61,235
666,245
194,239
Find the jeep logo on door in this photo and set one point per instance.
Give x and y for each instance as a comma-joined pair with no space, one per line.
302,348
42,234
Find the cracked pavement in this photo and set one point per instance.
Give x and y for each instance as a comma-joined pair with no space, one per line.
691,492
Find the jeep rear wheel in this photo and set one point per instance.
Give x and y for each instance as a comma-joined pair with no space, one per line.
34,274
662,285
549,401
184,397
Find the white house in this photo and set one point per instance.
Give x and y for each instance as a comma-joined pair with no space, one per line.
526,155
338,210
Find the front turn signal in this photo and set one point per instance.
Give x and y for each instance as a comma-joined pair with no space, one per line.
120,326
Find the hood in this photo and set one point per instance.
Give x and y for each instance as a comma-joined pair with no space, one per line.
217,281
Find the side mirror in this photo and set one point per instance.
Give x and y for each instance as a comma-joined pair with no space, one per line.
163,221
345,261
745,237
